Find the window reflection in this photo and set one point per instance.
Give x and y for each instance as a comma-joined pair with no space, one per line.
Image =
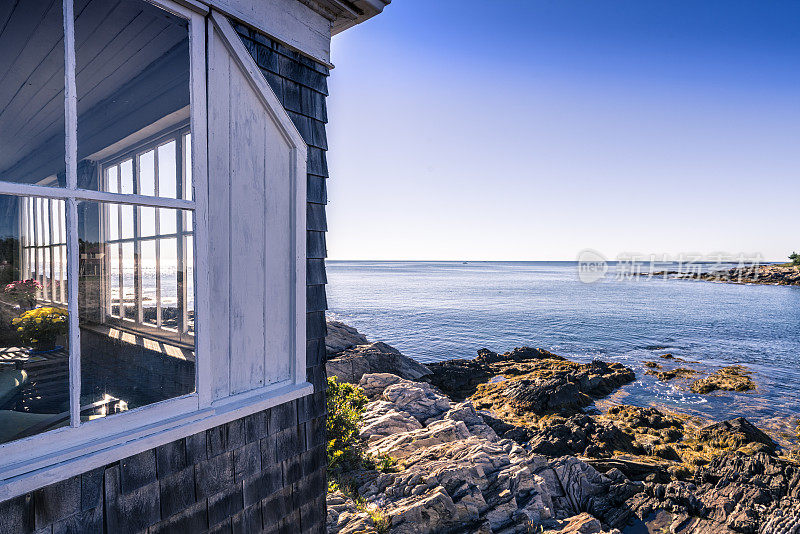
32,93
34,385
137,307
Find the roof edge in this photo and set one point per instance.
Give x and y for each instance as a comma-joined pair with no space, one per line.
345,14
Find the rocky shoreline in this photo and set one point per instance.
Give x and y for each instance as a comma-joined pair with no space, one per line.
513,443
782,275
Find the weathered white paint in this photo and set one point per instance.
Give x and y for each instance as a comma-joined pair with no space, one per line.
257,265
199,146
288,21
12,188
73,254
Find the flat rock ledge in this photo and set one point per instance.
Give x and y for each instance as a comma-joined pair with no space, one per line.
351,356
341,337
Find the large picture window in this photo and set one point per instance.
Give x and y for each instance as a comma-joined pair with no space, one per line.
96,211
108,111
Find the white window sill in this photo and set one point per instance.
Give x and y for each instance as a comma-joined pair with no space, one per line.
81,456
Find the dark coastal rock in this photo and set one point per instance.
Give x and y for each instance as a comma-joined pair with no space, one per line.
353,363
459,378
757,274
341,337
582,435
784,275
519,434
634,470
549,387
554,395
637,417
735,493
519,354
731,378
671,374
735,434
528,380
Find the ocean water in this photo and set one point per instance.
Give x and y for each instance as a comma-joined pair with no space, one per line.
435,311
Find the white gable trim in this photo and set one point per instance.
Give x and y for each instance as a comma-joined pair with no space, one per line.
248,64
288,21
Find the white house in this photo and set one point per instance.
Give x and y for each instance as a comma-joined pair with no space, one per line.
162,278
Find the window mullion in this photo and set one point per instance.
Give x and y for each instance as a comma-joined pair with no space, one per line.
61,247
180,172
120,262
158,240
51,250
73,252
74,323
35,250
23,224
137,247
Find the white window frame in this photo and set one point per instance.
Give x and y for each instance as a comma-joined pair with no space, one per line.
55,455
138,325
25,456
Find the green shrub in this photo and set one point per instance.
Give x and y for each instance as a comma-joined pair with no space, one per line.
346,405
795,257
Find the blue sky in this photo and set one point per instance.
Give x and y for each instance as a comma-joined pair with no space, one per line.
530,130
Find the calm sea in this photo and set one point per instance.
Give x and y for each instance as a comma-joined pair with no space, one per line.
440,310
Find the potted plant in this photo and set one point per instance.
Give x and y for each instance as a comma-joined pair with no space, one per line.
23,292
40,328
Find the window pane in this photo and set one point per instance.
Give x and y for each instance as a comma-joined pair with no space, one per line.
147,215
37,221
32,92
187,166
113,281
112,181
34,385
145,353
168,252
132,78
126,223
45,218
126,176
112,222
127,301
167,221
167,171
147,181
149,289
190,283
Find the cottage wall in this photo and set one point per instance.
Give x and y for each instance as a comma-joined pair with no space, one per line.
262,473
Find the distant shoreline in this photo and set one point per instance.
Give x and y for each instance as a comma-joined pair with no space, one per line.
779,275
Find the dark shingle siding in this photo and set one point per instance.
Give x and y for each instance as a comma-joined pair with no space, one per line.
264,472
273,469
